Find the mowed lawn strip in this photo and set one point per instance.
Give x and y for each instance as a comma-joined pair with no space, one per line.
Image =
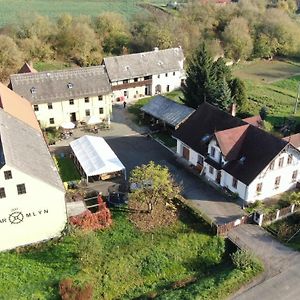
124,263
67,169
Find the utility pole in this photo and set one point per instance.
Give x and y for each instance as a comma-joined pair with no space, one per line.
297,99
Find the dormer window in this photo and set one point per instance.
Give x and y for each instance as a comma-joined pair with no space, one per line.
70,85
33,90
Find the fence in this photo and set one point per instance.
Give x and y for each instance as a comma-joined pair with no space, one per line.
264,219
225,228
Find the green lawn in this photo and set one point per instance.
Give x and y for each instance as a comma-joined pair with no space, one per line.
124,263
51,65
13,11
67,169
166,139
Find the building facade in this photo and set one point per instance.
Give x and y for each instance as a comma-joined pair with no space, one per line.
32,206
237,156
59,97
138,75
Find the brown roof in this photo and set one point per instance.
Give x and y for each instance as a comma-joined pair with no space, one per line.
255,121
17,106
230,141
27,68
294,140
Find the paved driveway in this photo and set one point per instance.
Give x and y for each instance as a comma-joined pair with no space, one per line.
282,276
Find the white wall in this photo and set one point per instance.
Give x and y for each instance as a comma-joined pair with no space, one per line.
267,177
218,153
61,110
173,79
193,155
41,210
241,188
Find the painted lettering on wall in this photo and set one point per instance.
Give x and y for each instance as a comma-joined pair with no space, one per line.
17,216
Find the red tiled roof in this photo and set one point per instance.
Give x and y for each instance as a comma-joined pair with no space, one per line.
294,140
27,68
255,121
230,141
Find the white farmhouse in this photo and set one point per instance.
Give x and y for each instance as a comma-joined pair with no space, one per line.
32,206
236,155
145,74
62,96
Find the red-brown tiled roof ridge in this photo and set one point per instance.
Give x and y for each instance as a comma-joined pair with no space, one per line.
230,140
293,139
255,121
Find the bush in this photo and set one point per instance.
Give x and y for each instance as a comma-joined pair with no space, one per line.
244,260
69,291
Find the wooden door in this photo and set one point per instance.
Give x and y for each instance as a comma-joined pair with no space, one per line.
186,153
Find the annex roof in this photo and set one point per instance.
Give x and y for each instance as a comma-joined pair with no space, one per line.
24,148
144,64
293,139
255,121
200,127
167,110
55,86
17,106
95,156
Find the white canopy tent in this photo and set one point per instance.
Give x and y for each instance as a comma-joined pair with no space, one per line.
68,125
95,156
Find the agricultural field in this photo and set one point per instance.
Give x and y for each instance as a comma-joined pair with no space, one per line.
273,84
13,10
124,263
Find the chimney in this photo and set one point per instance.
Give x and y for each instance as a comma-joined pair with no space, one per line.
233,109
155,49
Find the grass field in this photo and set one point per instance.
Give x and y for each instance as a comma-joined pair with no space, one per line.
124,263
273,84
67,169
11,11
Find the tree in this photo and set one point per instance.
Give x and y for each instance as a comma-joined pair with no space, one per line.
10,56
237,39
224,99
154,185
201,79
238,92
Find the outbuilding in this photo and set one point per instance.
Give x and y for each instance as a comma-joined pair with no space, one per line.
95,159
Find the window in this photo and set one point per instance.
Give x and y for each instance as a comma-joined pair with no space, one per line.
200,160
277,181
272,165
125,93
147,77
211,170
290,159
158,76
136,79
280,164
174,73
21,189
2,193
125,81
71,101
7,175
86,99
212,151
259,187
101,110
50,106
51,121
36,107
294,175
168,88
70,85
87,112
136,92
33,90
234,182
100,97
166,74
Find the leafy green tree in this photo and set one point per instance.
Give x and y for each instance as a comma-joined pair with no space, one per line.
238,92
154,185
237,39
201,80
294,198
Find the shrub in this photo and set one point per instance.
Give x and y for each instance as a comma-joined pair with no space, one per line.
69,291
213,251
244,260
